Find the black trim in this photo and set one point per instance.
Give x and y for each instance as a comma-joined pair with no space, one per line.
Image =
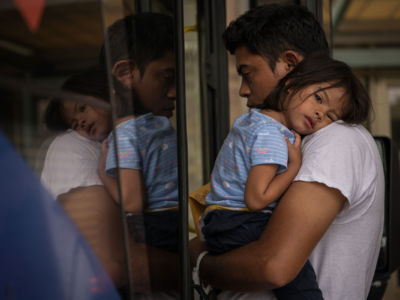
184,258
315,6
213,79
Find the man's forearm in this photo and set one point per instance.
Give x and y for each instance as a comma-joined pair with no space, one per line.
239,270
153,269
296,226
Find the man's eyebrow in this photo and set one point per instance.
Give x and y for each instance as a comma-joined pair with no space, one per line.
240,68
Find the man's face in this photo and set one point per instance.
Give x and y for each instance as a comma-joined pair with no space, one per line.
156,87
258,80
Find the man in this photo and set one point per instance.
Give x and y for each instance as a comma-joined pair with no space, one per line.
333,211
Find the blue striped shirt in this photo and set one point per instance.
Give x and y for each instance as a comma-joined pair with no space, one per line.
148,144
255,139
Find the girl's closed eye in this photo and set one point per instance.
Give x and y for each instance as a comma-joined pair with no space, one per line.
332,117
318,98
82,107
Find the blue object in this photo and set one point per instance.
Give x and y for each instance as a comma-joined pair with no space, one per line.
42,253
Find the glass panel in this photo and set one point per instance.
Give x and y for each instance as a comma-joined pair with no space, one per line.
142,148
193,106
55,114
54,67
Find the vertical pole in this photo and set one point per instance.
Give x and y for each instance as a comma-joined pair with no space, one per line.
185,274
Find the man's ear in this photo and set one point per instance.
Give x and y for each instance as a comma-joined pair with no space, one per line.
291,59
124,72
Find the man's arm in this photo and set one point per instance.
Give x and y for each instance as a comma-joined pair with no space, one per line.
98,218
297,224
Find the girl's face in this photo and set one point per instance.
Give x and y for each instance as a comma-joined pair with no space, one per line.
311,108
91,122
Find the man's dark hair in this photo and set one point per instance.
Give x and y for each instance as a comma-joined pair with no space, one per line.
91,82
271,29
143,37
320,68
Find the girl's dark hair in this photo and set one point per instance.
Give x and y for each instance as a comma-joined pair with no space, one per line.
318,67
91,82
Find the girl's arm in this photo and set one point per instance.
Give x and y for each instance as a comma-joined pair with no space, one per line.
264,187
132,184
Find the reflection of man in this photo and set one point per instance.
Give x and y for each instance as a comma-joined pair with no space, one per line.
333,211
142,59
147,156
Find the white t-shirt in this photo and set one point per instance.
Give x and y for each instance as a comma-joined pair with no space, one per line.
344,157
71,161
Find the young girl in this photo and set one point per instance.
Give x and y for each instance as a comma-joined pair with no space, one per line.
261,156
72,157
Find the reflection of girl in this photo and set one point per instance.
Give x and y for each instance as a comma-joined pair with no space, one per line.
72,157
257,163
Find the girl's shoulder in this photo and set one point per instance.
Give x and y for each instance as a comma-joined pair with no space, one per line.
253,115
255,118
257,123
146,125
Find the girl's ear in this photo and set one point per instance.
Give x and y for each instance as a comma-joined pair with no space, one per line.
291,59
124,72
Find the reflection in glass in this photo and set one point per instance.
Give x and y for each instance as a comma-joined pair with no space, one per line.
59,56
38,61
138,165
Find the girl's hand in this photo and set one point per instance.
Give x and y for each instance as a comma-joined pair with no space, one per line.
294,151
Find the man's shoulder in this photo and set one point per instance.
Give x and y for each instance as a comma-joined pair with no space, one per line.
341,133
340,140
72,142
68,139
340,128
